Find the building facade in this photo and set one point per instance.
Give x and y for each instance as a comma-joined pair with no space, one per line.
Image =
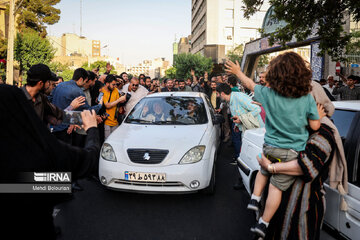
74,50
218,26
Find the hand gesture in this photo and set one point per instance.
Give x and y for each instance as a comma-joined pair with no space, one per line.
192,72
77,102
232,68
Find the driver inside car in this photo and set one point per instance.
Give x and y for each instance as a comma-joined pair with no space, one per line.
158,114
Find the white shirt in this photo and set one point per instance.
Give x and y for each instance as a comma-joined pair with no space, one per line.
136,96
330,89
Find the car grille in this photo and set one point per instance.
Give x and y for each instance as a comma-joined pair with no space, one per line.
147,156
150,184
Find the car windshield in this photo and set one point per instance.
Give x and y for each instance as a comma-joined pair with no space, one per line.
169,111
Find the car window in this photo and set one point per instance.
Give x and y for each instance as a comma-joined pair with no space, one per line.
342,120
169,111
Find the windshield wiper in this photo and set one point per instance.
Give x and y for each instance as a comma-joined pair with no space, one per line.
138,120
171,122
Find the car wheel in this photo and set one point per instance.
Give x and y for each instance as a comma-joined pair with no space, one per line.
210,190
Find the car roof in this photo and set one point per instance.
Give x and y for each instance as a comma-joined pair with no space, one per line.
176,94
347,105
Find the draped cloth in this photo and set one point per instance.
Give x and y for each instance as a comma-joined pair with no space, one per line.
26,145
302,207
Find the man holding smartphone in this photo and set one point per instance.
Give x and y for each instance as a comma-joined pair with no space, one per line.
111,99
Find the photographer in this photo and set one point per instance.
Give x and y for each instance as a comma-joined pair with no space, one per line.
111,99
29,216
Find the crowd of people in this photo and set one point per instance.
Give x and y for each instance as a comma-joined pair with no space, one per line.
276,102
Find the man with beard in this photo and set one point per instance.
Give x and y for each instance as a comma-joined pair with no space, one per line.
66,92
124,76
111,99
183,87
40,83
169,86
148,84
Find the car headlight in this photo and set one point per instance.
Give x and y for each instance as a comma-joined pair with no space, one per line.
193,155
108,153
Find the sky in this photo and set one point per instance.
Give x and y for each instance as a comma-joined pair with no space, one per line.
134,30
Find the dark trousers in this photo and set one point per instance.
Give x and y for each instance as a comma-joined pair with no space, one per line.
236,140
63,136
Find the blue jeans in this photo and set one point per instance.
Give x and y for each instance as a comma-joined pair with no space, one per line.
236,140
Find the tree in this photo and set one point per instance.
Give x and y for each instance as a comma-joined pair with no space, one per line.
236,53
62,70
31,49
263,60
184,62
171,73
35,14
100,64
327,17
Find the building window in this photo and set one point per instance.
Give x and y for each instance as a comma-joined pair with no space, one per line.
229,13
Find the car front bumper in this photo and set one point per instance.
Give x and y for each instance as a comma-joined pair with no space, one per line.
178,177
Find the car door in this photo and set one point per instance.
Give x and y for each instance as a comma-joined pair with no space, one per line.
348,223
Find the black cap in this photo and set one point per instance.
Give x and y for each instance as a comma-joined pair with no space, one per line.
39,72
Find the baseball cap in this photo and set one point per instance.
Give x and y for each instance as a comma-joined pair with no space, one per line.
39,72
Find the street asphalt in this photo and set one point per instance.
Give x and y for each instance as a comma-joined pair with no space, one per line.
99,213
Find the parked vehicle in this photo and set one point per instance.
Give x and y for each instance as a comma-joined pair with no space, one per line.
347,120
167,143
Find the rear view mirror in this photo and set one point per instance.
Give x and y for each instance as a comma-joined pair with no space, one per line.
218,119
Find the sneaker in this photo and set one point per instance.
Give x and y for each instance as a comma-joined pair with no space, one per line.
253,205
259,229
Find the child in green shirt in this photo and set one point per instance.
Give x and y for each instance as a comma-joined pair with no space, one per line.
289,109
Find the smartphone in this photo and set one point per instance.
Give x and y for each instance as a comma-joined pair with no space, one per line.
100,96
72,118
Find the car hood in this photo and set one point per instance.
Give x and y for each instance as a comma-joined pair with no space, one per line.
177,139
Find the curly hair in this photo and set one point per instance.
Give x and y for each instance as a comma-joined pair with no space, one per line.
289,75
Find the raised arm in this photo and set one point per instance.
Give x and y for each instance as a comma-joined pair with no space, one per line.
234,68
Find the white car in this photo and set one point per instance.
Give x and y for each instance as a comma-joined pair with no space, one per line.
167,143
347,120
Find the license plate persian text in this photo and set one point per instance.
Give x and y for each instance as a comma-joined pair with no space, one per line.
145,177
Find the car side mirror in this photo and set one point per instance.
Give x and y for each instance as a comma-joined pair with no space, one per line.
218,119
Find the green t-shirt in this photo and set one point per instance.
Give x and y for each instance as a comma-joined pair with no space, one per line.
286,118
235,89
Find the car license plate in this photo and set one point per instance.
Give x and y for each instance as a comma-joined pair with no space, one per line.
145,177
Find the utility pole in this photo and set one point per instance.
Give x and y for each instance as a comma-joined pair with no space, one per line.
10,48
80,18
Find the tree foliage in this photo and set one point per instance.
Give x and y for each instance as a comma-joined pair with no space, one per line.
184,62
327,17
34,14
100,64
31,49
171,73
236,54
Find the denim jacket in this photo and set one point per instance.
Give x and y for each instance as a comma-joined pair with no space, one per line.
64,94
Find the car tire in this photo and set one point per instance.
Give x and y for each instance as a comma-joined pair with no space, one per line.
210,190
